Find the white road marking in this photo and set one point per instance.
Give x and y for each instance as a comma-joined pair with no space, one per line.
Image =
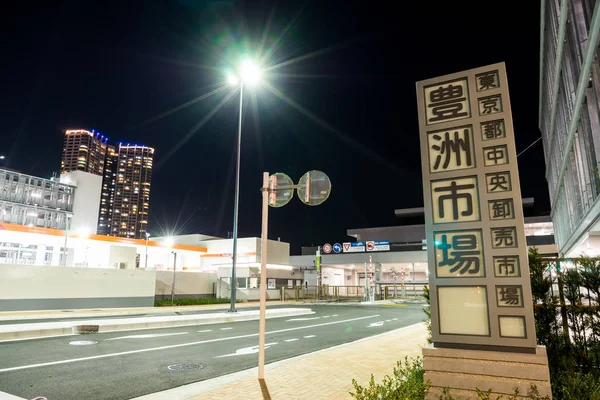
8,396
148,336
291,340
395,319
309,336
226,329
334,315
388,320
82,342
380,323
205,330
302,319
174,346
247,350
326,316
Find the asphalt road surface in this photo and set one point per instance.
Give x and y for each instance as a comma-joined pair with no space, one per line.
124,365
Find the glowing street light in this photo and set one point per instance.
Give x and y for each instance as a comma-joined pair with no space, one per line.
249,74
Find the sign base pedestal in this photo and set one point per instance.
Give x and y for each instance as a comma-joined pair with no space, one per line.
462,371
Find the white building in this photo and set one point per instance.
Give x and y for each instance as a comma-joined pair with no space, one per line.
569,119
86,204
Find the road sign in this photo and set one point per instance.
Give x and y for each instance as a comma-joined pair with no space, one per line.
281,189
354,247
314,188
327,248
337,248
378,245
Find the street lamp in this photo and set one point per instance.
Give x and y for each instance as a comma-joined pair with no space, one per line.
67,227
146,262
248,74
174,271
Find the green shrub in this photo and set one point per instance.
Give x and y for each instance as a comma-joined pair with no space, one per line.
427,311
190,301
406,383
579,386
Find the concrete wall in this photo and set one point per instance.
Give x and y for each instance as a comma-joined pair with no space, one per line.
277,252
187,284
27,287
123,256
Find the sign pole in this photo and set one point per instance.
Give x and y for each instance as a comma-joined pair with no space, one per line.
277,190
318,266
263,277
366,283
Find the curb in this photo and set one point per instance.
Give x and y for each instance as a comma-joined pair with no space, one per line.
115,312
100,326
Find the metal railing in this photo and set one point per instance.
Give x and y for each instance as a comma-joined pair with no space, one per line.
353,293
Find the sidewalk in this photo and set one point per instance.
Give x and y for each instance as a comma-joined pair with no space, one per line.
326,374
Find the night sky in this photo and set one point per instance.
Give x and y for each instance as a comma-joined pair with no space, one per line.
347,72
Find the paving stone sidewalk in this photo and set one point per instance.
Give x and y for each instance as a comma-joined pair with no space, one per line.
327,374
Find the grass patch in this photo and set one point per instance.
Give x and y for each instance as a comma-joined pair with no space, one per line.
190,301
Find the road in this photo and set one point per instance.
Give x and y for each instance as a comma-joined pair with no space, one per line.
123,365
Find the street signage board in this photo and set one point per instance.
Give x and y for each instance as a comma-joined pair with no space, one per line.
281,189
378,245
327,248
353,247
478,262
314,188
337,248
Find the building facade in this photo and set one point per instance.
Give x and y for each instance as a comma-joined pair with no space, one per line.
33,201
406,258
109,180
83,150
131,199
569,119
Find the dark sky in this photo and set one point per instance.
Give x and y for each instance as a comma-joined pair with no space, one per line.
117,66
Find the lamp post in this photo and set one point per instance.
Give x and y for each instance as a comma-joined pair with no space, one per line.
248,74
146,262
67,226
174,271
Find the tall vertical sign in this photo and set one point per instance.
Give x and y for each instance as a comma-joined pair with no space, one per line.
478,266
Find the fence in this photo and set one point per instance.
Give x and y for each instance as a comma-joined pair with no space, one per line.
353,293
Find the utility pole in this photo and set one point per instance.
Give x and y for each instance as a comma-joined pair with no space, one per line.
174,271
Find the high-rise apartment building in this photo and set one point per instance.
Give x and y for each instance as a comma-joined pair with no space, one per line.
126,172
109,179
131,200
83,150
569,119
